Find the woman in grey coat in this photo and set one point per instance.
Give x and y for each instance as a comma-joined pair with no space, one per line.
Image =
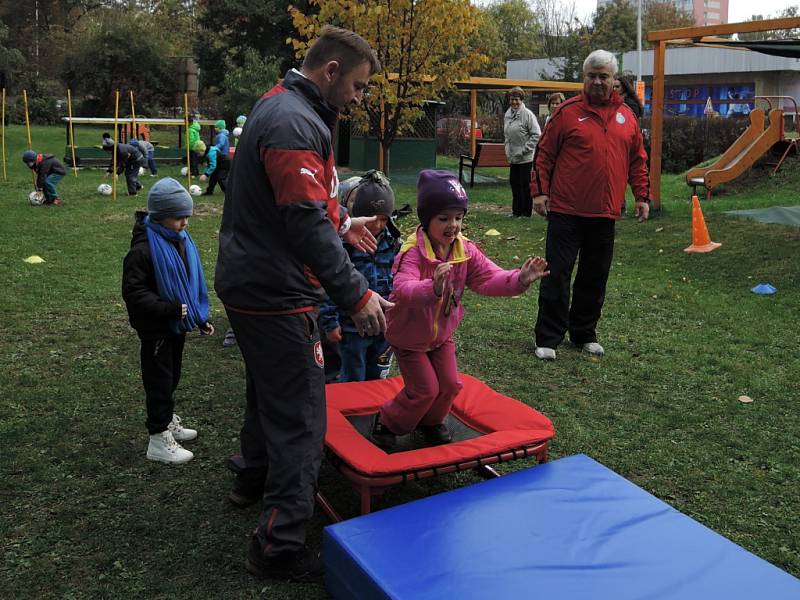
521,131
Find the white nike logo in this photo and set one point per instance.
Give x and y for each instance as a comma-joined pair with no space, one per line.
583,119
309,172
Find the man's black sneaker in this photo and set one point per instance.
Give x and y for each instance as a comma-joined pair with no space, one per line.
301,566
382,436
435,435
245,493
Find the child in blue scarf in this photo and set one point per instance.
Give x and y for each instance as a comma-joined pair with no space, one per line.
164,289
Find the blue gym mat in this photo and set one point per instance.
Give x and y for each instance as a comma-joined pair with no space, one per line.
571,529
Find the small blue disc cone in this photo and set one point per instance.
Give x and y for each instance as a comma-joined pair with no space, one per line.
764,288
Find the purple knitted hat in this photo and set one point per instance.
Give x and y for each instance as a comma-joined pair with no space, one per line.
437,191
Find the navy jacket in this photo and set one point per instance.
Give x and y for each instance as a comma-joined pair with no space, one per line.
128,156
149,314
49,165
376,269
278,241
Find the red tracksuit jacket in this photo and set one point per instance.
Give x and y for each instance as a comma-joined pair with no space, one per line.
587,155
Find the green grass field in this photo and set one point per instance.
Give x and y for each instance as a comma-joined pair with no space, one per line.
84,515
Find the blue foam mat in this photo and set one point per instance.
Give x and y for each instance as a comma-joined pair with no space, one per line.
571,529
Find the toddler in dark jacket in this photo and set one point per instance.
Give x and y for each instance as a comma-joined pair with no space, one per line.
366,357
165,291
49,171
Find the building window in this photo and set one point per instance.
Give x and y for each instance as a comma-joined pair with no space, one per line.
713,15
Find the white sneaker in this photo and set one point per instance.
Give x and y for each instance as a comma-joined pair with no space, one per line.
545,353
179,432
164,448
594,348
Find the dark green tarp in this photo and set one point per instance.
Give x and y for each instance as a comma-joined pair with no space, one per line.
788,48
785,215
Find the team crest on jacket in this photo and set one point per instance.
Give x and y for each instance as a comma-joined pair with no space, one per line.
319,358
620,118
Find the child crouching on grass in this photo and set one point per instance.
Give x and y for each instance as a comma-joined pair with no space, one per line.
430,275
165,291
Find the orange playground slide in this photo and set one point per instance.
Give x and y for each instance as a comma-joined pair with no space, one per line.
754,142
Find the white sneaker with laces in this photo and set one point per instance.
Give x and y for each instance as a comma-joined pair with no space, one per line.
179,432
164,448
593,348
544,353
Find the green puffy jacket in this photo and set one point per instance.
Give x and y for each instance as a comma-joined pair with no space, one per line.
194,134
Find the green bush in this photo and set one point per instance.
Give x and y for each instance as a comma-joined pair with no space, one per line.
689,141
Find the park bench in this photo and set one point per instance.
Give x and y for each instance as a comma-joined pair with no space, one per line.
487,154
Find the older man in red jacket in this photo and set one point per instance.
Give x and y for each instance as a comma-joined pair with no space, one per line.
589,152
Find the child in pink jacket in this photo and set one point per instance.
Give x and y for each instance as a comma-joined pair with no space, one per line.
430,275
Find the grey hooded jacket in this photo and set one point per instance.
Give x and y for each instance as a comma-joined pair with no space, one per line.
521,131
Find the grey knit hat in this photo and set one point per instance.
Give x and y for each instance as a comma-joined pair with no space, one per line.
371,196
168,198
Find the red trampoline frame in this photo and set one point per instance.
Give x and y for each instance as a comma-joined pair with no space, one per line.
511,430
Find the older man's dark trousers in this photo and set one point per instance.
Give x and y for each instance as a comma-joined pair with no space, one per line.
284,423
590,241
519,176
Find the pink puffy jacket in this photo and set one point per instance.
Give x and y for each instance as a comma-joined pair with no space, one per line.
419,319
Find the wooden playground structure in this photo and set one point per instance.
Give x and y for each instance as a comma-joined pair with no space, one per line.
739,155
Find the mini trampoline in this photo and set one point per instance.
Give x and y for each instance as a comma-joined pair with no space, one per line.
487,427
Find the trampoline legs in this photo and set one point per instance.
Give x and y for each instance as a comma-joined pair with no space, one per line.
487,472
327,508
366,499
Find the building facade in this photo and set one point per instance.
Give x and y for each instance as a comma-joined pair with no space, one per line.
734,80
705,12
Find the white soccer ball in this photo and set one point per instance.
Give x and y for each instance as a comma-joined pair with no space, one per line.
237,131
141,171
36,198
184,171
104,189
195,190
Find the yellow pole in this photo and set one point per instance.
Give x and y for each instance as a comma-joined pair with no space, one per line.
114,159
133,114
186,133
28,130
381,157
3,135
71,133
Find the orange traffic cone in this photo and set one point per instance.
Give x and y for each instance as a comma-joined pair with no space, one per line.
701,242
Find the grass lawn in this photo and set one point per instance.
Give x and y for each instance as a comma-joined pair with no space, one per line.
84,515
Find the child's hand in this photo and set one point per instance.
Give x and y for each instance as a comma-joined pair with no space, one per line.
207,329
203,177
334,335
440,276
535,267
184,311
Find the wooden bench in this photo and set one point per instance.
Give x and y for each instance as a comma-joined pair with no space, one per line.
487,154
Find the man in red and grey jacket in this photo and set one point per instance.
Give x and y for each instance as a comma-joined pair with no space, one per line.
589,152
279,246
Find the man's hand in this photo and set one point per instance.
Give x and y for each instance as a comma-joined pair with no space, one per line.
641,211
541,204
535,267
370,320
184,310
334,335
359,237
206,329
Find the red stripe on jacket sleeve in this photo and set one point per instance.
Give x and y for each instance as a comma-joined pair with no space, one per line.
295,175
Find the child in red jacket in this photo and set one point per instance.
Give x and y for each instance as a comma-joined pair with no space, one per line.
430,275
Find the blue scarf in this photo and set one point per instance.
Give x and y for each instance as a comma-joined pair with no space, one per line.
173,282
